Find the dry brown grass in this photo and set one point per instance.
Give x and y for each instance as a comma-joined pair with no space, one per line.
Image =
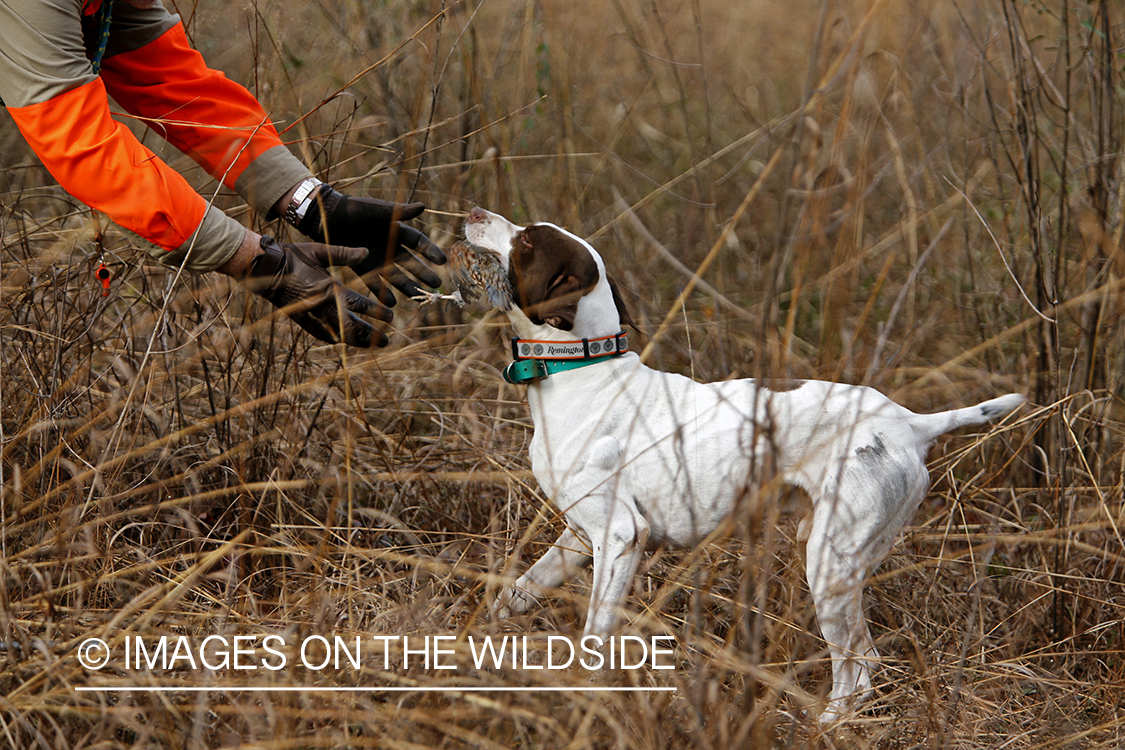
924,197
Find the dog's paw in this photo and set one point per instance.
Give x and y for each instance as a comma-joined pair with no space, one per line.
511,601
829,716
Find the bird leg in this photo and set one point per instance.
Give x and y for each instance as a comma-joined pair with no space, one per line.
429,298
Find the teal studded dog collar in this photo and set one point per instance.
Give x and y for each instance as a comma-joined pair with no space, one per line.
535,360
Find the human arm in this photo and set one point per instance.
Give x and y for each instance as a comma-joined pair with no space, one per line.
224,128
63,111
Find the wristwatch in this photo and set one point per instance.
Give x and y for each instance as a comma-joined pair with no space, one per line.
302,198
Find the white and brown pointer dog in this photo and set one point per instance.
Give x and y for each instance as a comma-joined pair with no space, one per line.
636,458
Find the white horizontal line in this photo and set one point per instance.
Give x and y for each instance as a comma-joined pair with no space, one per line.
349,689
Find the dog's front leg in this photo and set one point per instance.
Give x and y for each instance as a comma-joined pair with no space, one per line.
566,556
617,552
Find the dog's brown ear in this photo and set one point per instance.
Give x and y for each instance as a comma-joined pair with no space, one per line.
549,273
560,305
622,311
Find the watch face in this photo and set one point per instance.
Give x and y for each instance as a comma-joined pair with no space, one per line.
303,190
301,200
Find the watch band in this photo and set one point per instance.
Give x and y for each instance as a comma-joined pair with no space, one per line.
302,198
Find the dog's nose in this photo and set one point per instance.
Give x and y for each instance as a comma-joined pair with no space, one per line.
477,215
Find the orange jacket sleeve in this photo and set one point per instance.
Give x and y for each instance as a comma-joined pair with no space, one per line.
99,161
62,109
198,110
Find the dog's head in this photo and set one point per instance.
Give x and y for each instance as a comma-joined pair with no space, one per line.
559,280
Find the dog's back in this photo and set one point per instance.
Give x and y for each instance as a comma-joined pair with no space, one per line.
685,451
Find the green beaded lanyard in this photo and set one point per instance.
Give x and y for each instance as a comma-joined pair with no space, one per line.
102,16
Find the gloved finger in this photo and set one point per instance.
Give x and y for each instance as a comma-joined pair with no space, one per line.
406,285
396,278
324,306
355,257
333,255
372,209
356,331
323,327
362,333
420,271
374,276
410,211
411,238
381,291
359,304
323,321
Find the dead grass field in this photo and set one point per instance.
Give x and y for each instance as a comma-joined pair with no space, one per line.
925,197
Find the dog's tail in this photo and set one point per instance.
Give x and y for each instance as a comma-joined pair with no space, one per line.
931,426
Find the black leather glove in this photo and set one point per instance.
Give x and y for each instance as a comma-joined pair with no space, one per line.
293,278
375,225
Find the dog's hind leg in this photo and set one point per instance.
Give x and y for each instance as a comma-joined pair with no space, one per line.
855,522
567,555
837,590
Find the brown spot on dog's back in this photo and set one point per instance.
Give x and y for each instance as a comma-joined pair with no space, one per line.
779,385
876,451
